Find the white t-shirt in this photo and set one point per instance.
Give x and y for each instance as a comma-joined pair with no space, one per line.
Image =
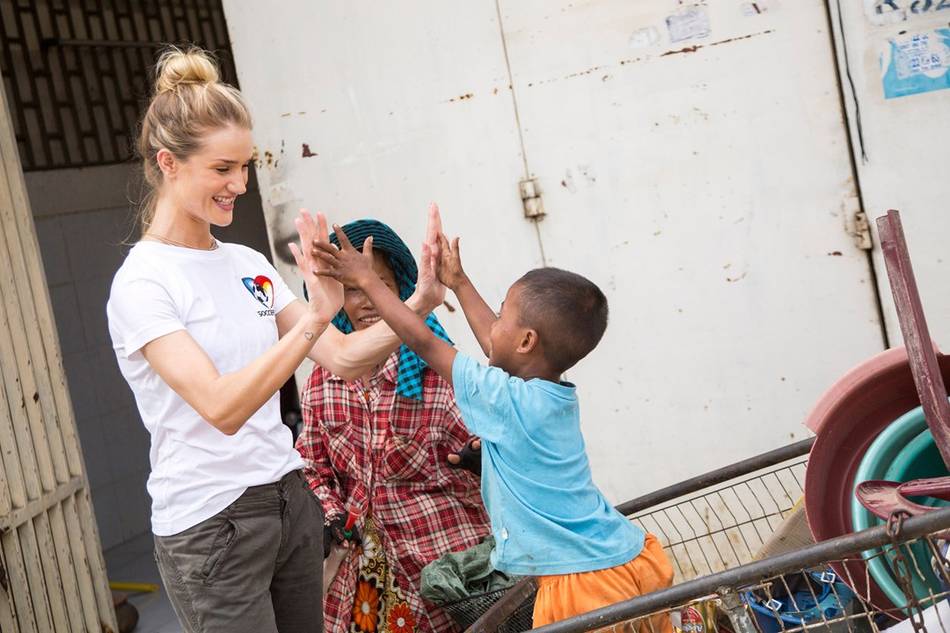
227,300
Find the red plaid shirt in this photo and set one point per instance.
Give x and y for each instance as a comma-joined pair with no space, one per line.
369,450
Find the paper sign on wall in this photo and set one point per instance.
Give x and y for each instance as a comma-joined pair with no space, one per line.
916,63
688,24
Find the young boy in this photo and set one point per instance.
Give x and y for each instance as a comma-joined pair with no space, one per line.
548,518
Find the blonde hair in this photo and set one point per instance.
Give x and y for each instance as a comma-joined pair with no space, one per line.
188,100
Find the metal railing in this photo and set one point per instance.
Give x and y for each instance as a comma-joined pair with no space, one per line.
729,588
708,523
714,526
723,518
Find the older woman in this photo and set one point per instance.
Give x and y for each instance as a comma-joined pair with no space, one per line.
376,448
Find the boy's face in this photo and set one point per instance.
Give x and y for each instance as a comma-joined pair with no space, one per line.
506,333
357,305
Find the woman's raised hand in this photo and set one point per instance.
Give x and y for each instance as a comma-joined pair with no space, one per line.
429,289
325,293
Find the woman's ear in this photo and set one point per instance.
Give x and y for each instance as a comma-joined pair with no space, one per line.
166,162
529,341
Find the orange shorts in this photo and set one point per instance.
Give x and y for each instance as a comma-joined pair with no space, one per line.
567,595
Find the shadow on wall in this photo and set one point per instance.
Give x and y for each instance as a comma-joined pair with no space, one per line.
83,218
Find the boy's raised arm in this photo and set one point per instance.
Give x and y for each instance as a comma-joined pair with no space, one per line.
477,312
352,268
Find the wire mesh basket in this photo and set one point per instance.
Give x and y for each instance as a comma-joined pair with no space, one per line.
811,599
713,522
720,531
467,611
726,525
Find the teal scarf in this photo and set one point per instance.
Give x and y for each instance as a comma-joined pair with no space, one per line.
385,240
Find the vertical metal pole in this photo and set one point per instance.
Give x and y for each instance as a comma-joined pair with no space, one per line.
736,610
910,312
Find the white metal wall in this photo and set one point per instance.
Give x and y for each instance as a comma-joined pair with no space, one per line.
902,143
706,183
361,110
693,160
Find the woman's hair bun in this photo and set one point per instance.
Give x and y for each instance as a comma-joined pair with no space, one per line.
177,67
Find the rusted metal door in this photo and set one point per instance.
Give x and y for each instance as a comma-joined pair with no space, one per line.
52,576
691,157
370,109
896,56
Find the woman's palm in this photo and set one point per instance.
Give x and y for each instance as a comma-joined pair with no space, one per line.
325,294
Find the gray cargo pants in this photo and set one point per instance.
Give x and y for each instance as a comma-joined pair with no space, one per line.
254,567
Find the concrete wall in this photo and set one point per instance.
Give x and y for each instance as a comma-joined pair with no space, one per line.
83,217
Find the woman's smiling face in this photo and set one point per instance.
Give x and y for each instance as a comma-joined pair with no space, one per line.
206,184
357,305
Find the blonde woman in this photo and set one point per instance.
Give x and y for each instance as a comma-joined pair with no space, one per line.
205,333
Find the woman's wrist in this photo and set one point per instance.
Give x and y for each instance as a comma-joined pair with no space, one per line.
420,305
311,325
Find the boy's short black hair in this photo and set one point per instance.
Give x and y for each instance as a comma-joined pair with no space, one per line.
568,311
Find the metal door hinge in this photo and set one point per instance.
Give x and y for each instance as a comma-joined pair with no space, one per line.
531,197
861,231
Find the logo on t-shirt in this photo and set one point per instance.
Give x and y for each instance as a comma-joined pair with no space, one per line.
263,290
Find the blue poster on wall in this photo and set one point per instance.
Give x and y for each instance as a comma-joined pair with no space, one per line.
916,62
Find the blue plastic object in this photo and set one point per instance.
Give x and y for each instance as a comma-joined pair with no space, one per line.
800,608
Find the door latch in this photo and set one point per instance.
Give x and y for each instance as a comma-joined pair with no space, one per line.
861,231
531,198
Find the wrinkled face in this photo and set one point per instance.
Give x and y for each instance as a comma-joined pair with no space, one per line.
357,305
206,184
506,332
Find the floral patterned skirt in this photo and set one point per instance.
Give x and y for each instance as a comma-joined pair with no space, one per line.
379,605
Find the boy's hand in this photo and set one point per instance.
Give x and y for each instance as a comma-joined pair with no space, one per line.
429,289
345,264
469,458
334,532
450,263
325,295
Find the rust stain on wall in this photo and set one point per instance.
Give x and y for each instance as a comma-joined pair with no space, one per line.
688,49
693,49
583,72
306,151
605,76
744,37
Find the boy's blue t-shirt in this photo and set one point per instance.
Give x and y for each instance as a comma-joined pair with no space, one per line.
547,515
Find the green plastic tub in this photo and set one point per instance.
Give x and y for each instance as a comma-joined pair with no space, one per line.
905,450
